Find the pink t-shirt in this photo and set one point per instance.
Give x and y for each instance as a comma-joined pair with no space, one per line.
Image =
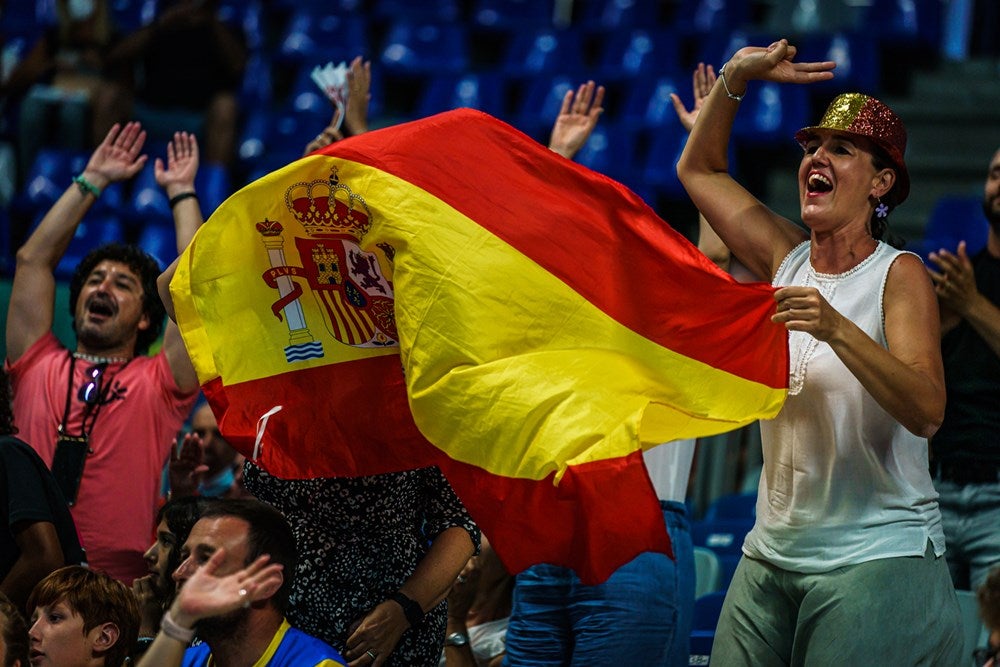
140,417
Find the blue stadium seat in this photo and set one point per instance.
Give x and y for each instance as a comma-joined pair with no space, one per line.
648,104
772,113
27,18
954,218
148,201
706,17
618,14
544,51
213,184
733,506
248,16
916,23
95,229
312,38
660,168
510,14
857,57
639,52
541,104
425,48
159,240
707,610
483,91
439,11
611,150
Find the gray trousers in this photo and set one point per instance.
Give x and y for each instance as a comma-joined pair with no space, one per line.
892,611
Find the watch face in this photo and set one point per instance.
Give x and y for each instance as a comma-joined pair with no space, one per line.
456,639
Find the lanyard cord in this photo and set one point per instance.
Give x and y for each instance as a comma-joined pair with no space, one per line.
89,407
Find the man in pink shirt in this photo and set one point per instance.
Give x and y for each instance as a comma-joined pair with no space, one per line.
104,416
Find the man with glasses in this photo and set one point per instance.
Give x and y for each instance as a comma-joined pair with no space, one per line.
104,415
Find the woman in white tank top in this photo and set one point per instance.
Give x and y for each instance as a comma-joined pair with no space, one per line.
844,563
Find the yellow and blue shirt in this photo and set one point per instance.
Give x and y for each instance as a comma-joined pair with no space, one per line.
290,647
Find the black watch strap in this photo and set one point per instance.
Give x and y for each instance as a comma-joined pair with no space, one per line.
414,614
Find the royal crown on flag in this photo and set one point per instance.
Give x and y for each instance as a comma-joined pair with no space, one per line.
328,208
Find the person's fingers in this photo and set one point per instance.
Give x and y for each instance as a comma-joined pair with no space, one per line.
597,106
567,103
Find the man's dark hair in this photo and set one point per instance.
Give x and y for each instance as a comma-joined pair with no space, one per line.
269,534
144,266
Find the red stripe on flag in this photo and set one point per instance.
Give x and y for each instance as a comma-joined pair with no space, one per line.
662,290
600,516
353,416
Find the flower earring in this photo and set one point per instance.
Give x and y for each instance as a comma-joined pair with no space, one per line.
882,211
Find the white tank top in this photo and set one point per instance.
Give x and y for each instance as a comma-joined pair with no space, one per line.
843,481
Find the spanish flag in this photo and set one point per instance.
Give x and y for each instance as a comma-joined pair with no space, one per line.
448,291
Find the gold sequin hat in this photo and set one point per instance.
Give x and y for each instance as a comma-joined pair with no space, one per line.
855,113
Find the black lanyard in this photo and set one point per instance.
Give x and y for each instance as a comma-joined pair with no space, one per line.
89,410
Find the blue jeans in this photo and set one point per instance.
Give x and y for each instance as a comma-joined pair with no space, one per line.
970,514
640,616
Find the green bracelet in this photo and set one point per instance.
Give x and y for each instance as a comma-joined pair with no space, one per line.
86,186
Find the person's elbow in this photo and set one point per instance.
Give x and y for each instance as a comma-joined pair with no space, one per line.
926,421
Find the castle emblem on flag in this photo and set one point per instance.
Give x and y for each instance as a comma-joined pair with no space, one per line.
348,283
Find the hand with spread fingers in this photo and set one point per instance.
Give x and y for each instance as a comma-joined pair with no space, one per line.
701,85
772,63
178,173
205,594
577,119
119,156
186,466
376,635
955,279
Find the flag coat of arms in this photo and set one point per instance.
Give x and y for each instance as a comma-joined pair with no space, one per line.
449,292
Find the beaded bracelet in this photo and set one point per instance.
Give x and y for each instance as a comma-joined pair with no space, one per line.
86,187
181,197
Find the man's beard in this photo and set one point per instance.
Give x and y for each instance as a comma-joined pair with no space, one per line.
227,627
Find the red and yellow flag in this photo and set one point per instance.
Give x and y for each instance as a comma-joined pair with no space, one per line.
450,292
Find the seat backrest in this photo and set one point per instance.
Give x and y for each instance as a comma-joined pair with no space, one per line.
707,570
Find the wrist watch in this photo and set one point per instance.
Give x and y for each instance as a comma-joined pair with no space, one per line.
456,639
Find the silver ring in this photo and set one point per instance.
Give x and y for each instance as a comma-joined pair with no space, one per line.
243,596
372,653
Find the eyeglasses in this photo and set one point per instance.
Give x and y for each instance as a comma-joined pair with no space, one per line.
983,655
90,392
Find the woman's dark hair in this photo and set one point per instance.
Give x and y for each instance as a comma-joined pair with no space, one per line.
14,631
180,514
145,267
880,226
